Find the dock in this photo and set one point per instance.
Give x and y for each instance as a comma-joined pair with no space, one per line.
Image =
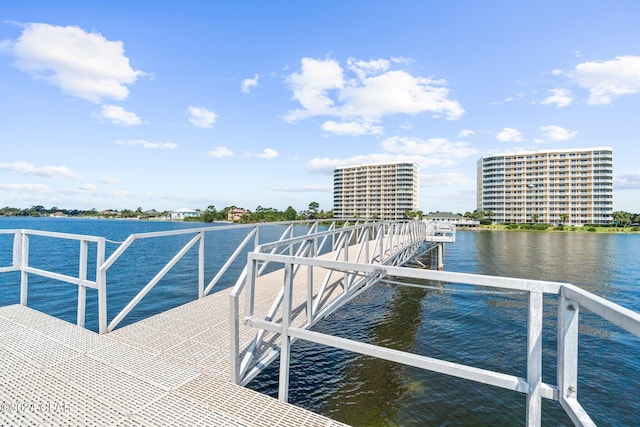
171,369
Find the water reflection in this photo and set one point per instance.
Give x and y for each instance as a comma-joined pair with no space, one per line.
382,386
583,259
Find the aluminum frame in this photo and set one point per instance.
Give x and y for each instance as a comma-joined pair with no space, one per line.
570,299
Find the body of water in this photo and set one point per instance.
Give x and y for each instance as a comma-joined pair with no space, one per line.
454,323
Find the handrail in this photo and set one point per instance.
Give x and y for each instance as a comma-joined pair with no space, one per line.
392,244
145,290
570,300
21,263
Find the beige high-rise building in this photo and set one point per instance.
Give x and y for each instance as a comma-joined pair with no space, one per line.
569,186
380,191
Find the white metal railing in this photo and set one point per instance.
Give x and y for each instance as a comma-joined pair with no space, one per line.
293,323
20,262
383,243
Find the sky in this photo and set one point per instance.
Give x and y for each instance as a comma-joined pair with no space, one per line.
165,104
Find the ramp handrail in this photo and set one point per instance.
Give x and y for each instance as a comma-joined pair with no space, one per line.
570,300
372,243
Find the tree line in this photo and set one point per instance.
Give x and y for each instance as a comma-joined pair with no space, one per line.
619,218
210,214
264,214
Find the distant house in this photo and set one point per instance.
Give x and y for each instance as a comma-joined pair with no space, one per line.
183,213
450,217
234,215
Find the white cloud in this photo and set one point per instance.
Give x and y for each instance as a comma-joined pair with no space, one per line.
118,116
26,168
268,153
220,152
201,117
465,133
28,188
559,97
363,69
607,80
109,180
248,84
85,189
629,181
437,147
427,153
557,133
398,92
365,92
312,85
83,64
517,97
147,144
509,135
351,128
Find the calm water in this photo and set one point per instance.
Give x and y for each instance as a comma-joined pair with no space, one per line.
487,330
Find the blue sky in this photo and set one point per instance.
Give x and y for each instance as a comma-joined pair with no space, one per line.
165,105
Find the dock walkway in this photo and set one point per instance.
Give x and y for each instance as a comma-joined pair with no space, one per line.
170,369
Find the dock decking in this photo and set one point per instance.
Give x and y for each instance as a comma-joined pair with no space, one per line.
170,369
56,373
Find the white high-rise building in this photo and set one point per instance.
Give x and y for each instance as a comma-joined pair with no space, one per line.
569,186
380,191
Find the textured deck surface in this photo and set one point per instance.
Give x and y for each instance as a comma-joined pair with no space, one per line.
55,373
171,369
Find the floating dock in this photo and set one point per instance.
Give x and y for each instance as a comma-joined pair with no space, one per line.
171,369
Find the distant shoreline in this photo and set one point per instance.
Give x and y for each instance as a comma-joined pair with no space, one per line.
567,229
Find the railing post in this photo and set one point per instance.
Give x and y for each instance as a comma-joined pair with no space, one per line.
17,250
311,251
82,289
568,313
534,359
24,262
285,346
201,266
347,238
250,288
382,239
234,322
366,240
101,284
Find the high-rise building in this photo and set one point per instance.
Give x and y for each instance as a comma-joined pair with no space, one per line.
569,186
380,191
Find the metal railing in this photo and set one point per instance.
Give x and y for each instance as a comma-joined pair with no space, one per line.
293,323
20,262
384,243
20,257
